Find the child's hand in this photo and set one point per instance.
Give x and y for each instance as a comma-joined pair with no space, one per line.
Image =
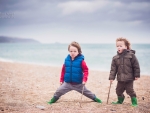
83,83
136,78
111,81
61,83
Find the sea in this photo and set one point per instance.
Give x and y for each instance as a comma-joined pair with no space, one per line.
97,56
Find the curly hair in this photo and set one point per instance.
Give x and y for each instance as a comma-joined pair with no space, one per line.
127,43
75,44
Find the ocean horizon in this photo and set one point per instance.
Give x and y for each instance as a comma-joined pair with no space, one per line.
97,56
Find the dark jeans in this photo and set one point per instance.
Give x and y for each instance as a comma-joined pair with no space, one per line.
128,86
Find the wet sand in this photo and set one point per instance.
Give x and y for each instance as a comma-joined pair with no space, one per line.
24,88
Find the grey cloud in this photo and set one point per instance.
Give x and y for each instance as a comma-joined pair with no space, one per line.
29,12
112,13
130,1
40,12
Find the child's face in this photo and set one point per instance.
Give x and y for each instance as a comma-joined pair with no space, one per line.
73,52
120,46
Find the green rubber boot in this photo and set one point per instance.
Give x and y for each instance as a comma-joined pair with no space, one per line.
120,100
53,100
97,100
134,102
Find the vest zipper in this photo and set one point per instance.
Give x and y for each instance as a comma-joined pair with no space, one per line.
71,72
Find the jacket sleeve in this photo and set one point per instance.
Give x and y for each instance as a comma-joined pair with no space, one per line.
113,70
135,66
85,71
62,74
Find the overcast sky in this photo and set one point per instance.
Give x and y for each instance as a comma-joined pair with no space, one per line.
85,21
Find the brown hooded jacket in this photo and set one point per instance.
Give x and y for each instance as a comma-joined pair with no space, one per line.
125,66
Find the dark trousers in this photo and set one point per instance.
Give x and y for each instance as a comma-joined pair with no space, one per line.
66,87
122,86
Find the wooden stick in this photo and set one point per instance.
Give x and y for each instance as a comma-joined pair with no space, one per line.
142,91
109,92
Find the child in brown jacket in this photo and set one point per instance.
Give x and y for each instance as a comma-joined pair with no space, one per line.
125,65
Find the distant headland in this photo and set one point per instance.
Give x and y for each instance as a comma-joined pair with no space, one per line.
6,39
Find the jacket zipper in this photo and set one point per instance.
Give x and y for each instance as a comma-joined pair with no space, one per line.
123,66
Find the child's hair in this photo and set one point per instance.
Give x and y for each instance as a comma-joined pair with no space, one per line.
127,43
75,44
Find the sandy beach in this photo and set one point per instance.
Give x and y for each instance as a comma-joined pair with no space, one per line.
25,88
